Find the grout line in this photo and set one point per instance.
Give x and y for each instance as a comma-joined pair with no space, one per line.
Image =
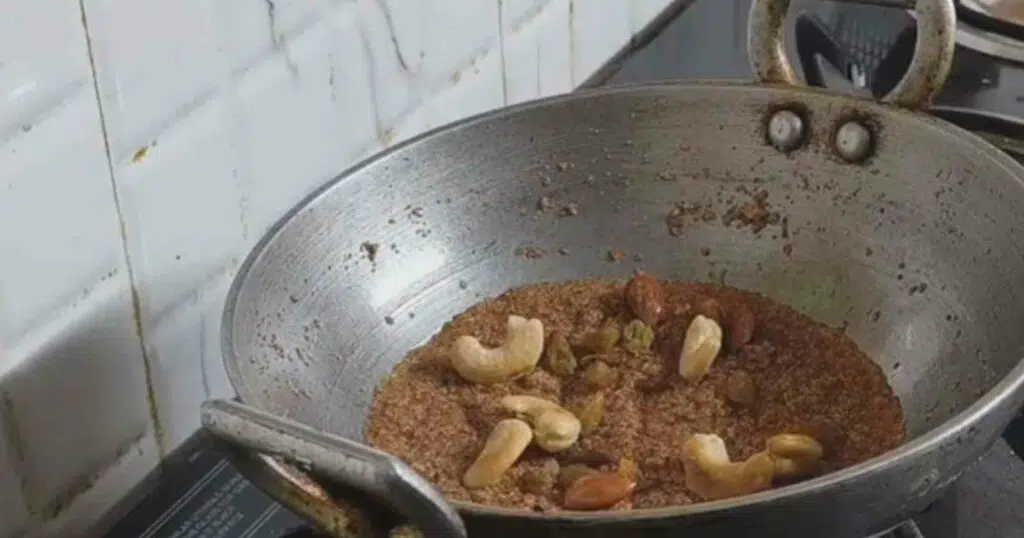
154,413
501,51
572,45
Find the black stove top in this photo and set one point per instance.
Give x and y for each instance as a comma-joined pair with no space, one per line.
196,493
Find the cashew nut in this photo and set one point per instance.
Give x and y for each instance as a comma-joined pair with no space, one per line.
504,445
710,474
795,455
519,354
701,345
555,428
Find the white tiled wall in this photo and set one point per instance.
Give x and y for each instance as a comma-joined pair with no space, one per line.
146,144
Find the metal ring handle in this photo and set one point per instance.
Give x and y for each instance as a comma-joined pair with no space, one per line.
933,51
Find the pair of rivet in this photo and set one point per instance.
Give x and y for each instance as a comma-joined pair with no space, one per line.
853,141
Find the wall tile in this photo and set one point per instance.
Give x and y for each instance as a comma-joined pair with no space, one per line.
250,32
77,399
182,209
43,62
148,75
300,120
58,223
598,31
131,466
183,364
416,47
537,61
477,89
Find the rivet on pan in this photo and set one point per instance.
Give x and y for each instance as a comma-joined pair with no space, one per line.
853,141
786,130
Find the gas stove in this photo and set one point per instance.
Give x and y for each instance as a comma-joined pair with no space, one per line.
852,48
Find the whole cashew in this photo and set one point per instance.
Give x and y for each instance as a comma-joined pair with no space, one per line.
701,344
504,445
554,428
711,474
523,347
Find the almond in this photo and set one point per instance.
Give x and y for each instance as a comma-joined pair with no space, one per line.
646,298
741,326
598,491
710,309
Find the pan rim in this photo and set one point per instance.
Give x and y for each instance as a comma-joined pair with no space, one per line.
1011,386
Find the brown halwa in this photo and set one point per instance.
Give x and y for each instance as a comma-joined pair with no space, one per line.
615,364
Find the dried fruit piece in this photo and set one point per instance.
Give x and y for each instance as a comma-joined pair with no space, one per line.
503,447
599,375
604,339
741,326
711,309
637,337
701,345
740,388
598,491
571,473
646,298
559,357
592,412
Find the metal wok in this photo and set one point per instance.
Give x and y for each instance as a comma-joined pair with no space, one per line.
902,227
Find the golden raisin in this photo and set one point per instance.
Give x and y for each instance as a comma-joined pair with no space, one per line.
637,337
604,339
592,413
559,358
599,375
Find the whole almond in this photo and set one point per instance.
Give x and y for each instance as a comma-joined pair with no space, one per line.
597,492
710,308
646,298
741,326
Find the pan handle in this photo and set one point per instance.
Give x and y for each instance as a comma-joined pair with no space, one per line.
347,463
933,51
